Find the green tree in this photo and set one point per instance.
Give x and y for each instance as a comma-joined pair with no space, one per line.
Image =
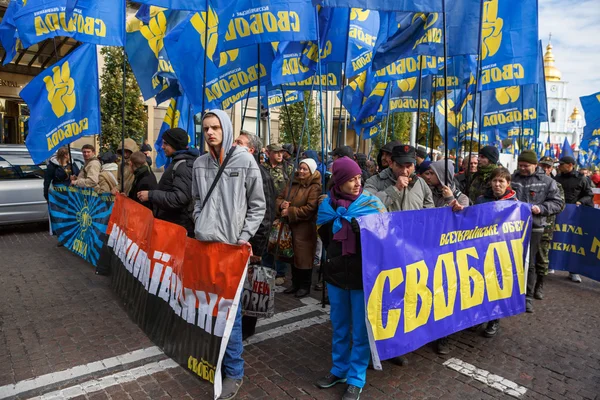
398,128
291,123
111,101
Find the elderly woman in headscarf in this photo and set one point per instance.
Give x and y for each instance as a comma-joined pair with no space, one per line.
339,230
299,204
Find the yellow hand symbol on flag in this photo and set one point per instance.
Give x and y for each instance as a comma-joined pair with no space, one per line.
358,14
491,30
406,85
61,90
173,115
155,31
453,119
199,23
507,95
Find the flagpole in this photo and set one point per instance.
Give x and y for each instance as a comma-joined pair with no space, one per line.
421,60
258,92
319,65
246,107
206,19
287,112
445,92
69,144
123,125
537,113
344,81
432,126
387,117
522,132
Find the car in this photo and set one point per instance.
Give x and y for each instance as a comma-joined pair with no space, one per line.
22,185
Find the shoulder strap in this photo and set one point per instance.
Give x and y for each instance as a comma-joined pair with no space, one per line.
219,173
177,164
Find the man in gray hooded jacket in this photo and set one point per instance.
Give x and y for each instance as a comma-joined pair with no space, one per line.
232,214
444,191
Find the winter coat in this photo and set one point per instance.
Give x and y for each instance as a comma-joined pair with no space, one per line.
438,197
302,217
281,174
540,190
172,200
144,180
381,181
489,196
577,188
236,207
132,146
463,181
260,240
109,178
90,174
415,197
481,181
344,272
56,174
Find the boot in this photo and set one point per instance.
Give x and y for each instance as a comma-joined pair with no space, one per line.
295,282
305,280
538,292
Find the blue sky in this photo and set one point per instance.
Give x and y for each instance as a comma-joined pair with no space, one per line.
576,40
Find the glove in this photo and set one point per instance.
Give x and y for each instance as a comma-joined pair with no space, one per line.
354,225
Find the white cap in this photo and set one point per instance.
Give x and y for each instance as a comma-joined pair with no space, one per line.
311,164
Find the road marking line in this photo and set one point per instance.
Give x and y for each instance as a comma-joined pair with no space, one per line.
285,329
78,371
494,381
311,305
96,385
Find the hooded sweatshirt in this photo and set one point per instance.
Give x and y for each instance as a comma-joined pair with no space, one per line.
132,146
439,168
236,206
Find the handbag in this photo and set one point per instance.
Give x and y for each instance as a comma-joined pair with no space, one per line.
258,296
281,235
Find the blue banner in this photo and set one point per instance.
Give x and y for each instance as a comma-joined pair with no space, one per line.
576,241
362,36
8,31
190,5
79,217
509,47
542,98
64,101
179,115
248,22
466,268
385,5
331,79
275,98
591,108
410,67
287,66
460,118
509,106
333,32
404,96
88,21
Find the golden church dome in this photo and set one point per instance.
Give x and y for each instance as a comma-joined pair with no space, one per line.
576,115
552,73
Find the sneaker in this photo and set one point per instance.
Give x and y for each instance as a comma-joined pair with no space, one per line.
230,388
400,361
492,329
352,393
441,346
528,306
550,271
329,380
575,278
280,280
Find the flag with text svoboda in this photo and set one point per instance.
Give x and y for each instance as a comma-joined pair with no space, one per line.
509,43
8,31
385,5
460,121
145,48
233,72
179,115
247,22
330,79
409,67
275,98
287,67
190,5
64,101
404,96
88,21
362,36
509,105
333,33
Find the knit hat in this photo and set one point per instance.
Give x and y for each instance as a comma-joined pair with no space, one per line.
177,138
421,153
310,163
108,157
343,170
423,167
343,151
528,156
491,153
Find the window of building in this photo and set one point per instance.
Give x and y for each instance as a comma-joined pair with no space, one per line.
553,115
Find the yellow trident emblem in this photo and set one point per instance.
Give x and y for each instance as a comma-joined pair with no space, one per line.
358,14
406,85
173,115
199,23
491,30
507,95
61,90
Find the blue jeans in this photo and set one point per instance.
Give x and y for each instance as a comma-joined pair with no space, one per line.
280,266
233,363
348,322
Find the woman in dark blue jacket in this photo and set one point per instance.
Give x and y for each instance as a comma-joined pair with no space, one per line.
59,170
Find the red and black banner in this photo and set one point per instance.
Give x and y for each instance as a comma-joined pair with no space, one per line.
182,292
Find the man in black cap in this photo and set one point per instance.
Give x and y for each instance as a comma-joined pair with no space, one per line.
487,163
577,189
343,151
409,192
172,201
288,154
420,156
385,178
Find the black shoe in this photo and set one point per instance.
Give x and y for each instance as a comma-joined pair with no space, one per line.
528,306
329,380
302,292
441,346
401,361
230,388
492,328
60,245
538,292
291,290
352,393
318,287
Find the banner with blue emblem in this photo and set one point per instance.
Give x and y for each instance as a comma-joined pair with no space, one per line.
79,218
64,102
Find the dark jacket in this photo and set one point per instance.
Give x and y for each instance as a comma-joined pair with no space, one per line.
144,179
463,181
260,240
56,174
172,200
540,190
577,188
342,271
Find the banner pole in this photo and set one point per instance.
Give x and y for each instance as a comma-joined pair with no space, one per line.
432,115
202,111
538,125
245,107
322,120
287,112
123,124
522,132
445,92
258,105
344,84
421,61
387,117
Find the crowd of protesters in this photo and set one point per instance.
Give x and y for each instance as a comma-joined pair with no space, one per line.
239,192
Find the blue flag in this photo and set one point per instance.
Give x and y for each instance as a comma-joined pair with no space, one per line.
567,151
247,22
542,97
509,48
385,5
362,36
333,32
509,105
65,103
179,115
191,5
591,108
88,21
275,98
403,96
287,67
409,67
459,121
331,79
8,31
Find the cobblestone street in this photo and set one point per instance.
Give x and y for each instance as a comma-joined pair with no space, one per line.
64,335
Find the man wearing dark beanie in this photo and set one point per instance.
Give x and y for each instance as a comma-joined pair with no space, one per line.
488,162
172,200
533,186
